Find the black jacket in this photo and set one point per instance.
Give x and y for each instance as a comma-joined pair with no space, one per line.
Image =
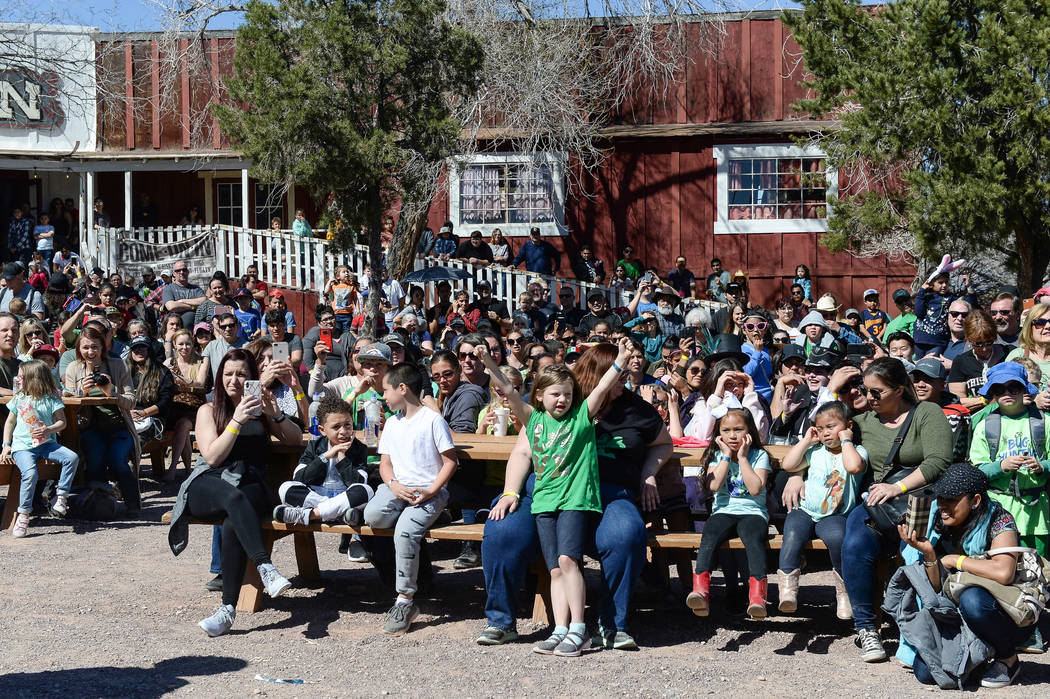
353,468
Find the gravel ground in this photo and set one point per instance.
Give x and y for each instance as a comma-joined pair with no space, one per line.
106,610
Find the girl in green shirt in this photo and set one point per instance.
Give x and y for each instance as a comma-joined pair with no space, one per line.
558,441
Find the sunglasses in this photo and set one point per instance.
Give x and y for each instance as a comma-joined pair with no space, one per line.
760,326
1040,322
1000,389
994,312
876,393
694,370
515,340
445,375
982,345
956,314
228,326
34,333
327,319
466,355
179,271
781,339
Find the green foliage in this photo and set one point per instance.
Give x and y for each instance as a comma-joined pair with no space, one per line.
340,96
944,108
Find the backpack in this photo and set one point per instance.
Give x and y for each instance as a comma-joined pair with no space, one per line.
993,427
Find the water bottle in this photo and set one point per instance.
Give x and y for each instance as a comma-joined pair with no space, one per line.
333,484
373,412
16,384
314,427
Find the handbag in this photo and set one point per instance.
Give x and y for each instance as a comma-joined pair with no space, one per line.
884,517
1024,599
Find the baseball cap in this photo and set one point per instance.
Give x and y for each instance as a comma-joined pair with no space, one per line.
140,342
957,480
733,288
48,350
901,296
12,270
483,285
277,294
113,311
870,292
242,292
393,339
201,326
823,357
932,368
851,312
376,352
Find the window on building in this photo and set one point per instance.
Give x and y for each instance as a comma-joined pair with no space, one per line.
512,192
772,189
269,203
228,201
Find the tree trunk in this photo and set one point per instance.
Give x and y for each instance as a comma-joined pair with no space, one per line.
375,265
1040,260
401,257
1025,271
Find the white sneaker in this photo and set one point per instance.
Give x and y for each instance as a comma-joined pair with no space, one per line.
60,506
21,526
871,650
220,622
290,514
272,580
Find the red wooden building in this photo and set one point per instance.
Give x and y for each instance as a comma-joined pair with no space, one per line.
710,169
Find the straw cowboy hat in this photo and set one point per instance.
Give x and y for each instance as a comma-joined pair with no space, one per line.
827,303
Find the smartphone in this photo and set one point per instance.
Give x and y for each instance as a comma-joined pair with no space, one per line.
72,304
326,337
280,351
254,388
860,350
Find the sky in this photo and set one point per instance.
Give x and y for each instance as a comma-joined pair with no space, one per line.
143,15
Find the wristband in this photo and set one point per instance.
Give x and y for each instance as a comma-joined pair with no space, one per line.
930,564
299,396
279,419
723,457
959,560
904,488
847,441
511,492
7,444
232,430
617,367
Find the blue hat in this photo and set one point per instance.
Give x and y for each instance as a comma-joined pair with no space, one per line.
1002,374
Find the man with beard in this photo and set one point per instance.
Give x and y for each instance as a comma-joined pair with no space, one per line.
1006,312
671,321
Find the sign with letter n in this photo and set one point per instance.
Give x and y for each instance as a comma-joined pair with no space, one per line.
29,100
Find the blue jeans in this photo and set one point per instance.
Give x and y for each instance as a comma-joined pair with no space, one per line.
106,454
861,550
618,541
343,321
799,528
26,461
989,622
216,550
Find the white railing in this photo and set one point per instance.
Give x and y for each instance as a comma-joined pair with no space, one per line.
306,264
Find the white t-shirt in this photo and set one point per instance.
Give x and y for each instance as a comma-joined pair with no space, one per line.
415,445
60,261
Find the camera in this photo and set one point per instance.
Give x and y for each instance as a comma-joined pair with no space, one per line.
100,379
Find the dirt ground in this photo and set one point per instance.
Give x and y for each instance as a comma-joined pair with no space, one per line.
106,610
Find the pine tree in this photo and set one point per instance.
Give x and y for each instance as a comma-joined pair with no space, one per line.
944,110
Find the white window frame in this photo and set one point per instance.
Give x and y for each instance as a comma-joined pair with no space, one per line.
724,153
235,211
556,161
274,209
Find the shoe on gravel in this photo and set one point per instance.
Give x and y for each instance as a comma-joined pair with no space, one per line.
613,639
272,580
60,506
469,557
400,618
999,675
572,646
220,622
215,584
357,552
495,636
289,514
548,646
871,650
21,526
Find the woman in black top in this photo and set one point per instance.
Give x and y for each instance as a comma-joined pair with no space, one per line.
233,431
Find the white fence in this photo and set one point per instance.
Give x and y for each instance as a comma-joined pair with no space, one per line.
306,264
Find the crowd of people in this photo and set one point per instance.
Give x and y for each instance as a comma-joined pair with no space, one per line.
946,398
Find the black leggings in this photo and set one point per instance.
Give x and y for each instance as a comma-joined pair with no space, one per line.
240,509
752,529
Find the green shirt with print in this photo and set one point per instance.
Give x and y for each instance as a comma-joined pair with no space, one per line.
565,460
905,322
1015,438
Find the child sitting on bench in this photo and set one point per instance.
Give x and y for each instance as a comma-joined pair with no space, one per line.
331,481
418,458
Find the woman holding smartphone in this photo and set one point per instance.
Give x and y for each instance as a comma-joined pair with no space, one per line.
234,432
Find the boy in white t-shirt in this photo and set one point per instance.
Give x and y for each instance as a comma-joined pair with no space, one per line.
417,459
